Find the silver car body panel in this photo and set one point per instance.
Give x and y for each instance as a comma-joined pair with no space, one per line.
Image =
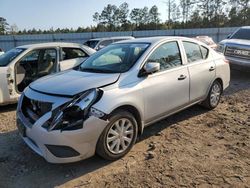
52,84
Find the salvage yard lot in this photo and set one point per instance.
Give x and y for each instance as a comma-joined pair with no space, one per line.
193,148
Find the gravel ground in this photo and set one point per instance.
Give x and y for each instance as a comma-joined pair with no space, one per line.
194,148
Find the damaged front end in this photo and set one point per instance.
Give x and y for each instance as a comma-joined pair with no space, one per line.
71,116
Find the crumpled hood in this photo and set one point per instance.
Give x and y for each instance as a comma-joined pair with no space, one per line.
237,42
72,82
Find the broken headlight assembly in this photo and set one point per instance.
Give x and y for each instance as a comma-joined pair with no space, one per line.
72,115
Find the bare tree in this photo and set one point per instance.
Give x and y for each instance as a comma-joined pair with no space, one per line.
186,6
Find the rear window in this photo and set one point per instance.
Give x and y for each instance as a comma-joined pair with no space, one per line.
6,58
106,42
193,51
241,34
72,53
91,43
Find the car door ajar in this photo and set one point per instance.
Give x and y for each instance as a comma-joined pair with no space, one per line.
167,90
201,69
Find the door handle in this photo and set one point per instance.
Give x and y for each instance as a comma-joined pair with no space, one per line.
211,69
182,77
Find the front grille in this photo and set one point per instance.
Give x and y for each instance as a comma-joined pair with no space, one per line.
237,52
33,109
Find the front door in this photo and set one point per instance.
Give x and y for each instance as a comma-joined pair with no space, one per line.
168,89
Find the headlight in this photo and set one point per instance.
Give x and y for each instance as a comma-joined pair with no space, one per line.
220,48
71,115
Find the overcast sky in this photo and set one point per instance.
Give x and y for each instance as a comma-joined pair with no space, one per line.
44,14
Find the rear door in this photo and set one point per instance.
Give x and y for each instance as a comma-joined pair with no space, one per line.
201,68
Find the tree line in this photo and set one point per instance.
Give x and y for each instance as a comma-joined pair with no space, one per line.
184,14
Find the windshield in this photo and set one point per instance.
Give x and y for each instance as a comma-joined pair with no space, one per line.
241,34
6,58
116,58
91,43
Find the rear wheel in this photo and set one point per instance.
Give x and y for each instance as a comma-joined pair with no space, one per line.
118,137
214,95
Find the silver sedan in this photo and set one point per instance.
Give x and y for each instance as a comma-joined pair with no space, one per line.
104,106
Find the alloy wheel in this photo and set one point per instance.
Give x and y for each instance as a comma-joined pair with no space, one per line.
120,136
215,95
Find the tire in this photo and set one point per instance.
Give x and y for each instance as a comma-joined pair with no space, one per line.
214,96
111,144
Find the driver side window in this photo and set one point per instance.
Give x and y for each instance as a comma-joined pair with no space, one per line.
168,55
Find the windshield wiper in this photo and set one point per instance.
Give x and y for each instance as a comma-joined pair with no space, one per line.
96,70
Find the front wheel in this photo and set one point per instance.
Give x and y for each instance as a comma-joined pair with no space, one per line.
118,137
214,95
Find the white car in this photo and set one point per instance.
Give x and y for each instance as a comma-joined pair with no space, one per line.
104,105
24,64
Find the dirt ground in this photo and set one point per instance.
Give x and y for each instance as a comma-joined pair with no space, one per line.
194,148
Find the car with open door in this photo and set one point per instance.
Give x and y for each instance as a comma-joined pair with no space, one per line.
104,105
24,64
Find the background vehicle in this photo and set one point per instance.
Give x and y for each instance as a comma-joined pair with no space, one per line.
207,40
100,43
237,48
24,64
118,91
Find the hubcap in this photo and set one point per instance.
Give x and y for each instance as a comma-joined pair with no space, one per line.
215,95
120,136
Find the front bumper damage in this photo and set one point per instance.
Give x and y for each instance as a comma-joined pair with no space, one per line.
58,146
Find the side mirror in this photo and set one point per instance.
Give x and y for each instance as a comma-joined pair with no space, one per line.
149,68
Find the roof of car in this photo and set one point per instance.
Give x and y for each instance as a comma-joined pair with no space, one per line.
118,37
155,39
246,27
51,44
